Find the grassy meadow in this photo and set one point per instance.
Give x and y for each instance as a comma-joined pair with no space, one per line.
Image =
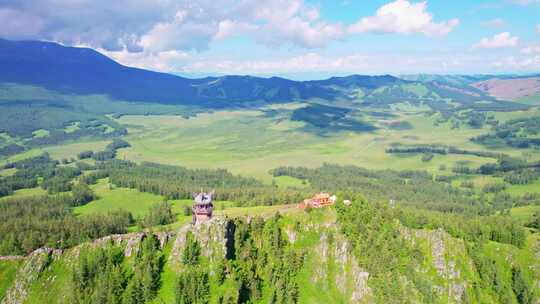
111,198
251,143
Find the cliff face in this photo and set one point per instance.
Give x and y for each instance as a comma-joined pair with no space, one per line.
329,272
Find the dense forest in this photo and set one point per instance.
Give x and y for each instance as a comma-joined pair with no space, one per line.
259,262
388,258
517,133
49,219
32,222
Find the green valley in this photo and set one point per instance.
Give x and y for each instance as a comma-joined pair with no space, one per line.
126,186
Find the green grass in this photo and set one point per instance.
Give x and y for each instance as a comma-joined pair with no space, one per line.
59,152
130,200
264,211
72,127
53,284
41,133
250,143
522,189
70,150
287,181
525,213
530,100
26,192
168,278
8,271
7,172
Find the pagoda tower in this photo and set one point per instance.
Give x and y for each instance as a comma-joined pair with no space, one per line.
202,207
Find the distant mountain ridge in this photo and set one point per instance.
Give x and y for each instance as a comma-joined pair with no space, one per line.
86,71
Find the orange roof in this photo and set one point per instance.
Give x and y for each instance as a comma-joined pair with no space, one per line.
321,196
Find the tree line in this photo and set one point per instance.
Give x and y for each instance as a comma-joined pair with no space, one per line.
28,223
440,149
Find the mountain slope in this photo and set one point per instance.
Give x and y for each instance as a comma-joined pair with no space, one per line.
84,71
301,259
512,88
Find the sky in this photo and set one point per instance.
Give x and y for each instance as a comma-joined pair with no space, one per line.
298,39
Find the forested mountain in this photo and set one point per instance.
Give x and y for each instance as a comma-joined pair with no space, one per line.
86,71
362,253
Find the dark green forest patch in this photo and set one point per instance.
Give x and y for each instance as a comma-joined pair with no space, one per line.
519,133
330,119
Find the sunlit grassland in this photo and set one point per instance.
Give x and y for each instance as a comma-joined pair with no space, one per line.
287,181
59,152
524,213
7,172
25,193
111,198
530,100
505,116
249,143
41,133
72,149
522,189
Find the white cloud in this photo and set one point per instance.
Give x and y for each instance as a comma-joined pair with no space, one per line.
512,63
353,63
495,23
165,25
156,34
538,28
167,61
19,24
228,28
501,40
404,17
294,22
532,49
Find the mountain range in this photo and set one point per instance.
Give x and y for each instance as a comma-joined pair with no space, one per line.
75,70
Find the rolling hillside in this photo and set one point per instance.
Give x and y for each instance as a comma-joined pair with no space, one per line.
511,89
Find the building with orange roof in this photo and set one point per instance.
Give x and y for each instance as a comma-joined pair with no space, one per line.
320,200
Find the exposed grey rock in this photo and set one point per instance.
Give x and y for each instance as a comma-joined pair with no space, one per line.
291,235
445,267
350,279
35,263
211,235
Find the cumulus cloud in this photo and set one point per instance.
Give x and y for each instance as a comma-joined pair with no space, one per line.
167,24
158,26
112,25
229,28
160,34
502,40
167,61
402,16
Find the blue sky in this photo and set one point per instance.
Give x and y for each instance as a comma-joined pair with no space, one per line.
301,39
